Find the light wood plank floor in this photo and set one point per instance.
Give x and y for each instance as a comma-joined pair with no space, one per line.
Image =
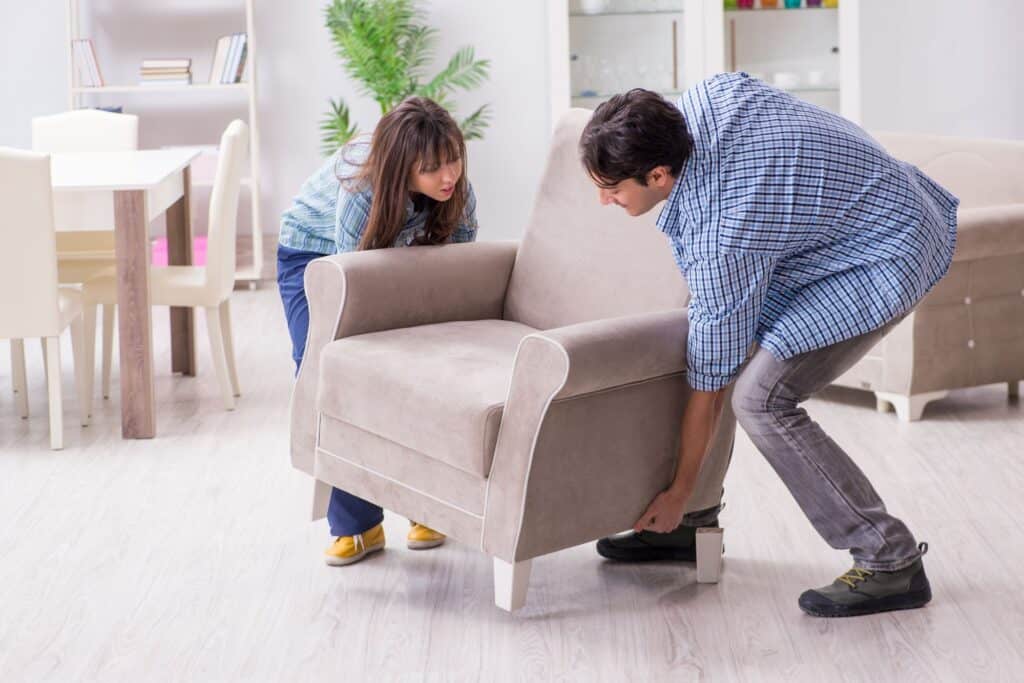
190,557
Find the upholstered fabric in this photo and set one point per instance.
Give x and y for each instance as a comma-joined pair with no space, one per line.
969,330
436,389
583,261
363,292
538,409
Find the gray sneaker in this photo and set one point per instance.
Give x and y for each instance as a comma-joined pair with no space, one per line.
860,591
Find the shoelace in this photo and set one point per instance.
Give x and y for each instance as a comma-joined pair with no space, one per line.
855,576
358,544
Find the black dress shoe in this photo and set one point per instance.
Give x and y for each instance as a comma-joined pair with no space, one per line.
649,546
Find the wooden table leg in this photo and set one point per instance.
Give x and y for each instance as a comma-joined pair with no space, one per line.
179,253
131,244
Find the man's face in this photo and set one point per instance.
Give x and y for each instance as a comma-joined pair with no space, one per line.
635,198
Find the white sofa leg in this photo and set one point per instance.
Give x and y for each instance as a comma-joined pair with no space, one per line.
709,554
321,499
908,408
510,583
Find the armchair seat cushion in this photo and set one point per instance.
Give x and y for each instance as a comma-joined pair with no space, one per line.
436,389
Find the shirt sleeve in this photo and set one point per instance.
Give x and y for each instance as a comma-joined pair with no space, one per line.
352,217
466,232
728,294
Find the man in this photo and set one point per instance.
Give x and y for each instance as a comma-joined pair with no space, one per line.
803,243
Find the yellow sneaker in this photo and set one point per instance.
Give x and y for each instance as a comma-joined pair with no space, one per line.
349,549
421,537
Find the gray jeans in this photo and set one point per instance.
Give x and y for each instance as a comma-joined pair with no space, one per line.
831,490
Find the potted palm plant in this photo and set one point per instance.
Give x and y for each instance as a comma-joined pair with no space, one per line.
385,49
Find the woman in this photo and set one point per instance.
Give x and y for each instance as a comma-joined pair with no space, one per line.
405,186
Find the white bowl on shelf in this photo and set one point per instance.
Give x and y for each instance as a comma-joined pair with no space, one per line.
593,6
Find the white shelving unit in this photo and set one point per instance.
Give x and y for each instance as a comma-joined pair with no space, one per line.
79,97
804,50
667,45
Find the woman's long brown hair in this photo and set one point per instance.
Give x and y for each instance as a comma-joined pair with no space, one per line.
417,135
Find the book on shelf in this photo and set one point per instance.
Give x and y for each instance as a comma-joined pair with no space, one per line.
220,55
179,63
232,50
88,67
165,72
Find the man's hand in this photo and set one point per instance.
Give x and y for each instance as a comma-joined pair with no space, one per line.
664,513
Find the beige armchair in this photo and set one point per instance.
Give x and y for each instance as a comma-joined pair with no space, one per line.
969,330
519,398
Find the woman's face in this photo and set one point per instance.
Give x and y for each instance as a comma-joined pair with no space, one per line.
437,183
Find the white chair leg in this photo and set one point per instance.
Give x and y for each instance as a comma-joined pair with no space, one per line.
1013,390
89,332
709,554
510,584
108,346
52,356
19,376
229,345
909,408
220,363
79,354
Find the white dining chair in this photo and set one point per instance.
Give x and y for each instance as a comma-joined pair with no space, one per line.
32,304
210,286
87,253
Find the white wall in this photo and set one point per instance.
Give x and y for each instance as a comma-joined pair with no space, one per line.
298,73
949,67
33,66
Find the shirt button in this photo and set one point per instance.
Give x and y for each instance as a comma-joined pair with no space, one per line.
970,343
967,300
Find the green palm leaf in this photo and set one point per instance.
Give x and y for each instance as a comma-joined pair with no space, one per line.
386,52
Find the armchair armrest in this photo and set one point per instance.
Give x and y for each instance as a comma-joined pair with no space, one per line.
618,351
369,291
564,363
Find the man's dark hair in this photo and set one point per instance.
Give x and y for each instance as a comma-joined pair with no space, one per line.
630,135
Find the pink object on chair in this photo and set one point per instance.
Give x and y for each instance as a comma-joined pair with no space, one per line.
198,251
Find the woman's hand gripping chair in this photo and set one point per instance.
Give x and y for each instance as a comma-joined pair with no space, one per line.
520,398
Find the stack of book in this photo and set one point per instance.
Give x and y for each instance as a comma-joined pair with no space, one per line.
89,75
166,72
229,59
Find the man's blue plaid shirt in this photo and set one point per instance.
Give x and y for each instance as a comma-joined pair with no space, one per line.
794,228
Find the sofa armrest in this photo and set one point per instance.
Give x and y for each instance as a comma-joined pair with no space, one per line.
564,363
369,291
987,231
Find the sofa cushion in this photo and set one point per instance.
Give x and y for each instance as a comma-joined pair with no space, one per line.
436,389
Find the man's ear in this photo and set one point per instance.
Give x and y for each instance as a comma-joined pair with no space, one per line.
660,177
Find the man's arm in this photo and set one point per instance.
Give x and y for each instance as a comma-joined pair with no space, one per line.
698,427
728,292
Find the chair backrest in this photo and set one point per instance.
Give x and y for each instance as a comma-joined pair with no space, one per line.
223,220
980,172
85,130
28,279
582,261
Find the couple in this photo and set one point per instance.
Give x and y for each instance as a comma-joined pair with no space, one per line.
801,240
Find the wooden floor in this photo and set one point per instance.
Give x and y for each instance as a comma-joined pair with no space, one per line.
190,557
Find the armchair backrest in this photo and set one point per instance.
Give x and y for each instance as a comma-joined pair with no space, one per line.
582,261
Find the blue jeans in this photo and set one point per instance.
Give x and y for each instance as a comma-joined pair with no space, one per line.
346,514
